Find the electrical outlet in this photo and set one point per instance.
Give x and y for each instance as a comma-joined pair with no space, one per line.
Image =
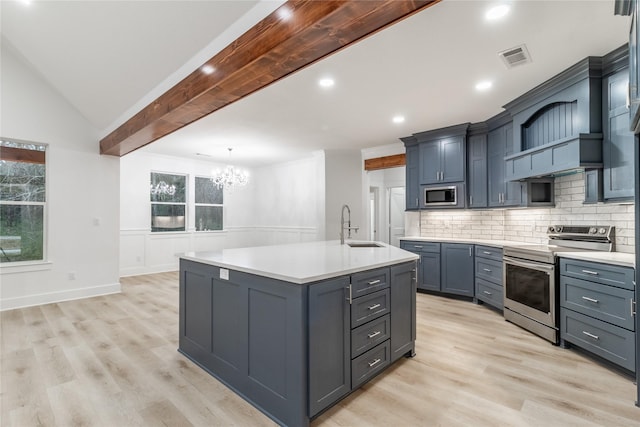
72,275
138,258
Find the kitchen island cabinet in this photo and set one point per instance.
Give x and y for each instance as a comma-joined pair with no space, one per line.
295,328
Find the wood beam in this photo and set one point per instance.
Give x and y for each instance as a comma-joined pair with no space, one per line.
14,154
385,162
269,51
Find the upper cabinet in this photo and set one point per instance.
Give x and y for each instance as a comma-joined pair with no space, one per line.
502,193
618,176
442,156
477,166
412,189
557,126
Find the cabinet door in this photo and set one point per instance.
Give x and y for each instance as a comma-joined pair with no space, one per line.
329,343
412,178
617,145
403,305
457,269
429,162
477,182
496,166
512,189
452,159
429,277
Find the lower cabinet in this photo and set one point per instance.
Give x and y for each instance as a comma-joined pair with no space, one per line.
488,276
597,310
444,267
457,269
353,338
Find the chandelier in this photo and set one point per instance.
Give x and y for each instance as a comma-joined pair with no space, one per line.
230,177
163,188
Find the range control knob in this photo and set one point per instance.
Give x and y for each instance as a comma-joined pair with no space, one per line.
551,229
593,230
602,230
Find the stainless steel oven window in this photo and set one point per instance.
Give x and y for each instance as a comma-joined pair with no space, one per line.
529,287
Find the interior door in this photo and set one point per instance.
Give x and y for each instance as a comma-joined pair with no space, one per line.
396,214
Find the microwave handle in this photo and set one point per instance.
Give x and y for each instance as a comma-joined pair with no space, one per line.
519,263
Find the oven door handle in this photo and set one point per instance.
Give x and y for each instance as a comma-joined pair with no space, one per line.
534,266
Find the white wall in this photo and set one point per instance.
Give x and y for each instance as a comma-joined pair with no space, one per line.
279,205
343,185
82,193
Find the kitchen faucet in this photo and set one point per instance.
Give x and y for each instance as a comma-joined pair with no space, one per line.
348,227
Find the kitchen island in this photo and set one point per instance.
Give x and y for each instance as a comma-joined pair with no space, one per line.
295,328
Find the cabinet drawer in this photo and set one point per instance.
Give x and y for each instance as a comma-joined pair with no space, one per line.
489,269
607,341
370,335
415,246
607,274
369,307
606,303
369,281
489,252
489,293
369,364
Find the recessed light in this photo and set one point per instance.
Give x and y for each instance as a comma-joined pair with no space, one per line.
25,2
207,69
398,119
484,85
284,13
326,82
497,12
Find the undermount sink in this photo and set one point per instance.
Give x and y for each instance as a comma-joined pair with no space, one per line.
364,245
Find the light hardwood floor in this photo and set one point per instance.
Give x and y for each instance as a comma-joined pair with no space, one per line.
112,361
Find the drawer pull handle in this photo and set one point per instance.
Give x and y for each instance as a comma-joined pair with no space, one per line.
373,307
487,253
373,334
595,337
374,363
374,282
593,273
487,293
417,247
595,301
488,270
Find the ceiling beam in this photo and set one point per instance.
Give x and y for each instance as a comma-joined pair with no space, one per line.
297,34
385,162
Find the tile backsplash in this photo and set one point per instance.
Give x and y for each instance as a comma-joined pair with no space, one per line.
529,225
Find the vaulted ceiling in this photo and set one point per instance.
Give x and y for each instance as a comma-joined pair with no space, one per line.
112,58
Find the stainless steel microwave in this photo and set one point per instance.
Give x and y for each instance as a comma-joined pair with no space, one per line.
440,196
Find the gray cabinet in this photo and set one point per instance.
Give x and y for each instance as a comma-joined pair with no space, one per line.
597,310
329,344
457,269
501,193
412,190
488,276
442,160
617,144
428,265
477,175
403,321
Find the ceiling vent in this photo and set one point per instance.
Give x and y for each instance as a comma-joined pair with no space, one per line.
515,56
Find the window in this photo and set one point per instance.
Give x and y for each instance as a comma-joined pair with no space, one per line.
168,202
22,201
208,202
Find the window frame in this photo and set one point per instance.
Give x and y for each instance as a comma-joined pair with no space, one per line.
196,205
44,261
185,203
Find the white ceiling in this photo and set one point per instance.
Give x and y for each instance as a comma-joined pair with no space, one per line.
111,58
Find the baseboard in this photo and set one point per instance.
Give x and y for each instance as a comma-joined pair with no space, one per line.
60,296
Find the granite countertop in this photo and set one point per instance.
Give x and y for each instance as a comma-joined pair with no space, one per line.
615,258
303,262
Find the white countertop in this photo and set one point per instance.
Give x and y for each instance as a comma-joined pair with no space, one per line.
303,262
486,242
616,258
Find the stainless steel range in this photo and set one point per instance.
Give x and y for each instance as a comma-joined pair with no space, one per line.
530,275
